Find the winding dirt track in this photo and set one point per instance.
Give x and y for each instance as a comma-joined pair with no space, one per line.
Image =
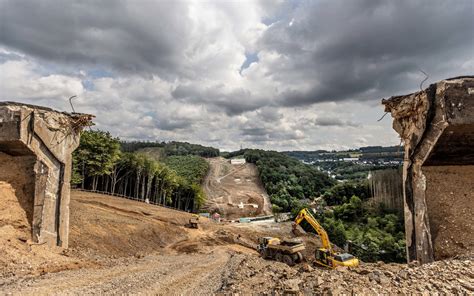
125,247
155,274
228,186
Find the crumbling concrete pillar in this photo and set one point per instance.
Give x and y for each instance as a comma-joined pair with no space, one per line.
48,138
437,128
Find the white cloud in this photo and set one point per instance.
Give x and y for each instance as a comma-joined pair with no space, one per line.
171,70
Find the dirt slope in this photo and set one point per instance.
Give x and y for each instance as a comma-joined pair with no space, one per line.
451,212
124,247
235,190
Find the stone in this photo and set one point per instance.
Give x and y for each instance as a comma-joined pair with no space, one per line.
306,267
362,271
318,281
466,285
383,280
403,274
292,286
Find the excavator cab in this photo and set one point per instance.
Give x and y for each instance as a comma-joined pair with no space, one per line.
345,259
322,256
325,258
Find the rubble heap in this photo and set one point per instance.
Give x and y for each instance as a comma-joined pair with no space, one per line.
254,275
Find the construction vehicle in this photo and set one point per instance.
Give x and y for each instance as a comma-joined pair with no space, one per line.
325,255
193,222
286,251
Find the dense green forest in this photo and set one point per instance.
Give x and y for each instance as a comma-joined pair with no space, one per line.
287,181
192,168
171,148
100,164
373,233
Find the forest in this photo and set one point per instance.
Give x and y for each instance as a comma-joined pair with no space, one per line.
171,148
372,233
103,163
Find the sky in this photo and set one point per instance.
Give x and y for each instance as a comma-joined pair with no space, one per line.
279,75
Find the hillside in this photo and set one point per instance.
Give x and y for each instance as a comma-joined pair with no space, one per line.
235,191
121,247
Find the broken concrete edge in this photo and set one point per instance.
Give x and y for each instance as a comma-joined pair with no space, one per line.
421,119
12,103
51,136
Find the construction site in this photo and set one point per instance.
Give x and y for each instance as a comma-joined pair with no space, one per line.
55,241
235,190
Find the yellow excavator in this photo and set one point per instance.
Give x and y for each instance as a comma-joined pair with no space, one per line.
325,256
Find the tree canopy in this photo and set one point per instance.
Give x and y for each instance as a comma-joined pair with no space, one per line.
98,164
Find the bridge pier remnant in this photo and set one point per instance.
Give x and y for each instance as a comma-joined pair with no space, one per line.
437,128
41,140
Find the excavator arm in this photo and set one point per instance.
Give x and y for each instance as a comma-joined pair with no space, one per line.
304,214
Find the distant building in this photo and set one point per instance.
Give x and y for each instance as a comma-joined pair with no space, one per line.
350,159
237,161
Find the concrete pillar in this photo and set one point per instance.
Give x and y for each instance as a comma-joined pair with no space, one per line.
437,128
49,137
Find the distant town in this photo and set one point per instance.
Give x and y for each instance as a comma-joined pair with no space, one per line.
352,164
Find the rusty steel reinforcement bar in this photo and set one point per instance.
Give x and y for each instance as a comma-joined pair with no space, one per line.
130,198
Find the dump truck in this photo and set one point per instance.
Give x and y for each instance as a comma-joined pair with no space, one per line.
193,222
326,256
286,251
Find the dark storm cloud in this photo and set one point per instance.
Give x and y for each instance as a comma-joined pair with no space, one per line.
232,102
256,131
170,124
333,121
170,69
367,49
147,37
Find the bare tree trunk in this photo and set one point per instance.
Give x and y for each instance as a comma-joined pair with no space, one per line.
94,182
137,185
143,188
83,174
107,178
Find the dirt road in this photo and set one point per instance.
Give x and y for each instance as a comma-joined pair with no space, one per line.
235,191
125,247
154,274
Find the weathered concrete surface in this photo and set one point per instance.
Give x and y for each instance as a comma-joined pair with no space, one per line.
45,139
437,128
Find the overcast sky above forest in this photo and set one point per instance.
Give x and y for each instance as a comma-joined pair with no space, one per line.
281,75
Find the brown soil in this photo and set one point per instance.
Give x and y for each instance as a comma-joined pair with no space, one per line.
117,227
227,186
121,227
16,191
11,212
450,201
18,255
125,247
